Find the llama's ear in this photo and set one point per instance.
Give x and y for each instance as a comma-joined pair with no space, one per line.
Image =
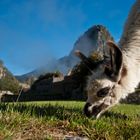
84,59
116,60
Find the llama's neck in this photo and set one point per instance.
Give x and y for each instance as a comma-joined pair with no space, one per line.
131,35
130,79
130,44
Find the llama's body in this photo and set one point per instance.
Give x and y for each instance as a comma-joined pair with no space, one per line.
119,77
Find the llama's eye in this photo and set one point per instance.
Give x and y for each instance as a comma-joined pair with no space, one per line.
108,71
103,92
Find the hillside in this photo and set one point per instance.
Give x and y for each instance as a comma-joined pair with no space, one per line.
7,81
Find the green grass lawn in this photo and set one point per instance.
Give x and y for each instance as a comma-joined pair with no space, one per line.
56,119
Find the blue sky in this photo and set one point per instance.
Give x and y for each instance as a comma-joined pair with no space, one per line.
33,32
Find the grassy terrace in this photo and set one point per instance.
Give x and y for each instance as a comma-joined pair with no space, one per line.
56,119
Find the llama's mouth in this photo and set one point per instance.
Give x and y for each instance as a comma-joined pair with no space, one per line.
94,111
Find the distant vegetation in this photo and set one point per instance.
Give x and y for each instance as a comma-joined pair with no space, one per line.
8,82
54,120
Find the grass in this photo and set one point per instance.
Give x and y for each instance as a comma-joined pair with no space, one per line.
56,119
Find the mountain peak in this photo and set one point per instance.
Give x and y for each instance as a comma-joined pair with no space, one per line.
86,43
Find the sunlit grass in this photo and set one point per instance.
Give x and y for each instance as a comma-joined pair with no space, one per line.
55,119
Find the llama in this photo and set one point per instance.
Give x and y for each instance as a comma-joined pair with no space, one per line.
112,81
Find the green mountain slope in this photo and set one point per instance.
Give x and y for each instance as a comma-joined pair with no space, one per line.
7,81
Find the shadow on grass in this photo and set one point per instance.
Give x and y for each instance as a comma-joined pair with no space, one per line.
60,112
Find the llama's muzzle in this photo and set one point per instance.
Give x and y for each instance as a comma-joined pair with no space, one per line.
87,111
93,111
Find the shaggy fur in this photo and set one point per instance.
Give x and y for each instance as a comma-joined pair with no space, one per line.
130,44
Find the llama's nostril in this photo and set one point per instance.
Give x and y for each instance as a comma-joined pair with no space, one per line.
87,112
95,110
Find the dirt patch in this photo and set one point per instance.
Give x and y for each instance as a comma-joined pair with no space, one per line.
45,132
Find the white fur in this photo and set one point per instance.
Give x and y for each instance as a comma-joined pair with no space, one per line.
130,44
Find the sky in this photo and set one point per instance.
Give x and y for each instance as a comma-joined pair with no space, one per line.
33,32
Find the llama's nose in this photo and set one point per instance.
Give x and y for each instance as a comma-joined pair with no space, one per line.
92,111
87,112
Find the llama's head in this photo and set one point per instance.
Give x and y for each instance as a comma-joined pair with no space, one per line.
103,83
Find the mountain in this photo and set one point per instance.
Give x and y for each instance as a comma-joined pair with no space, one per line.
7,81
86,43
